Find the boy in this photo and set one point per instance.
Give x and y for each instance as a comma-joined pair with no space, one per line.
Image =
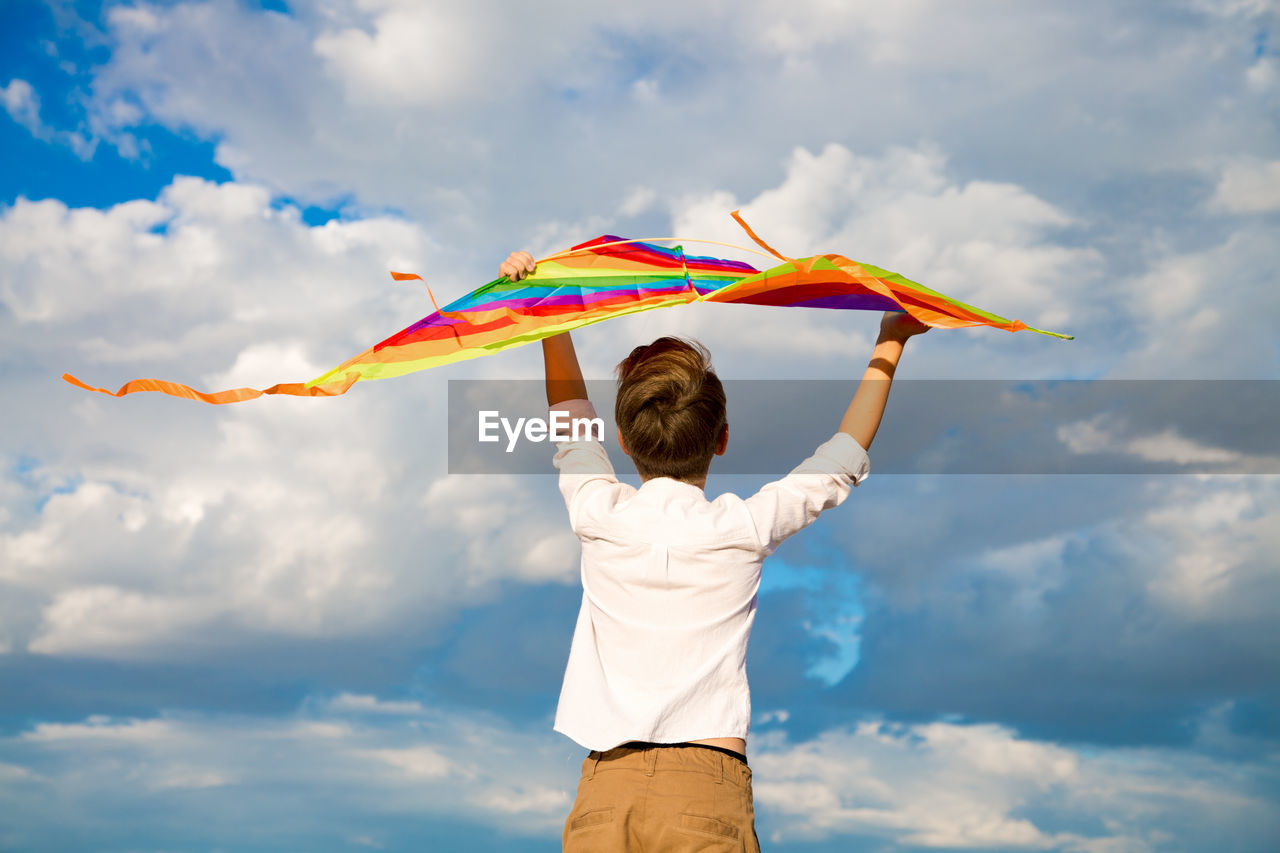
656,681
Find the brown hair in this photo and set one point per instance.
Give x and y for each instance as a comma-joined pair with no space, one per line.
670,408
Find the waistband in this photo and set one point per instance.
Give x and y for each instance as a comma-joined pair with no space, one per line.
651,758
641,744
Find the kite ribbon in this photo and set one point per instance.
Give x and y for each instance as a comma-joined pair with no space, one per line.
762,244
233,395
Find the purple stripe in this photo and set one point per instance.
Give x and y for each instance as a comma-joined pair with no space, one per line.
852,302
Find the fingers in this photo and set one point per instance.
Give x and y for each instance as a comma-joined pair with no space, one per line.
901,325
517,266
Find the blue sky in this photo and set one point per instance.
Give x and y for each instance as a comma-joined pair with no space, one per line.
283,625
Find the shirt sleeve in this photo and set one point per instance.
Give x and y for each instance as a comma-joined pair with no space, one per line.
586,474
787,506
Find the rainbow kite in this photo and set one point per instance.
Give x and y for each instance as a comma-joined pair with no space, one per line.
604,278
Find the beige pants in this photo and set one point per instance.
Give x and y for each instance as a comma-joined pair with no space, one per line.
667,799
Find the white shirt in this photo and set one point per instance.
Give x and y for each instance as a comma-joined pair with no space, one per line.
669,583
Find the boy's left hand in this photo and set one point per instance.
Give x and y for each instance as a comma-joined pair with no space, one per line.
517,266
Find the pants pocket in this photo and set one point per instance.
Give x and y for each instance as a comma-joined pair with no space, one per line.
595,817
590,832
708,826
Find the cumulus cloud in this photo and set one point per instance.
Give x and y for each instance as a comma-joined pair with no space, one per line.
1242,8
535,145
990,244
982,242
1205,313
356,758
549,102
488,532
1046,162
364,703
343,763
1221,541
1167,573
1111,434
1248,187
1262,75
414,55
286,519
947,786
22,103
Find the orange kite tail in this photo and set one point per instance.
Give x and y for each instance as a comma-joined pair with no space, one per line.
234,395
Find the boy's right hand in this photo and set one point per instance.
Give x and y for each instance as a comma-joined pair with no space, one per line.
517,266
899,325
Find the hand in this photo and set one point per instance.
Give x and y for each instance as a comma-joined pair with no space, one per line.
517,266
899,325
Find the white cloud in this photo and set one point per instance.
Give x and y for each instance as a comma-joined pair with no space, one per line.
964,174
100,620
1247,8
646,90
150,529
857,783
22,103
1037,569
936,785
419,762
980,241
1219,540
984,243
1203,313
13,772
949,786
1262,75
1164,585
191,528
1248,187
334,758
1107,434
502,538
282,520
486,117
100,729
638,201
364,703
200,248
531,133
416,54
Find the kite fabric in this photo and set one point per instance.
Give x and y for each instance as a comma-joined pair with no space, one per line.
601,279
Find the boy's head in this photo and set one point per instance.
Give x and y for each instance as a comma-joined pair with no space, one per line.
670,409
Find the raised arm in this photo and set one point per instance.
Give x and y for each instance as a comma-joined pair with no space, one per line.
862,418
564,376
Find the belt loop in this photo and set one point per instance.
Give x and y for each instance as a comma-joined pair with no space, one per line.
724,759
651,761
594,758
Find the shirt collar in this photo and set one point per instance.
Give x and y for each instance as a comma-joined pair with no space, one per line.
669,484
